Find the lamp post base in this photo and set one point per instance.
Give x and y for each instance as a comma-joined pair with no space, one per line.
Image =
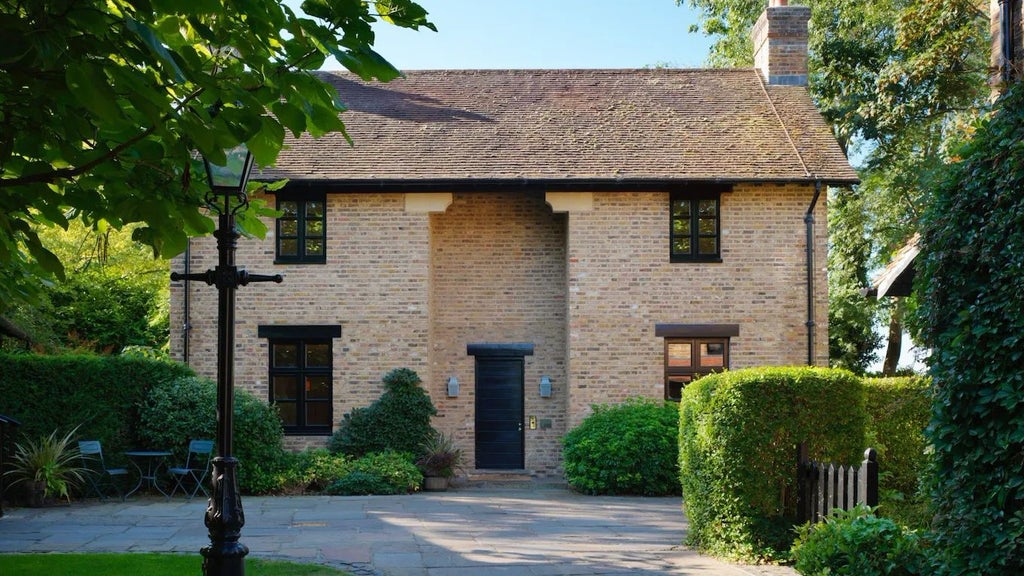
225,555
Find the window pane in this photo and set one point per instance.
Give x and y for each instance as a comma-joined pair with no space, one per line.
289,227
708,226
286,355
708,209
318,355
681,246
709,246
289,208
286,388
288,247
288,412
681,227
681,209
680,354
318,414
712,355
314,209
314,247
318,388
314,227
674,387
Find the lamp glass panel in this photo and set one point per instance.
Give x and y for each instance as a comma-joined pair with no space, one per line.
233,173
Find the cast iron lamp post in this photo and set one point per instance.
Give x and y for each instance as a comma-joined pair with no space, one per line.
225,555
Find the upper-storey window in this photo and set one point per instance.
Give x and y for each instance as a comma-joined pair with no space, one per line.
302,228
695,233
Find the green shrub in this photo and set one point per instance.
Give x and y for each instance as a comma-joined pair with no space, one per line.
898,413
396,468
102,394
361,484
399,420
630,448
177,411
316,469
738,433
970,279
857,543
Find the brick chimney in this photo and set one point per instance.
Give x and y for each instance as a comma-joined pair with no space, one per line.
780,43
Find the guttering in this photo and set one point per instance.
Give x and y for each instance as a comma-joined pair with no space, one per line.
374,186
809,222
186,325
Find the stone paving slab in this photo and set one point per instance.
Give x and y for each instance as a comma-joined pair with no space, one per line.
457,533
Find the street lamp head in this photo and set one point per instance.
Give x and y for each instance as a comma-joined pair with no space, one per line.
230,179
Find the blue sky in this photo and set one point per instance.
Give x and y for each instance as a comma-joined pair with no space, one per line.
547,34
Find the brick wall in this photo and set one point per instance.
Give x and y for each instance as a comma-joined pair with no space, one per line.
374,285
499,277
586,288
621,284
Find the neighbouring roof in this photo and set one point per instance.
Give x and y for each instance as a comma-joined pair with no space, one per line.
898,277
568,127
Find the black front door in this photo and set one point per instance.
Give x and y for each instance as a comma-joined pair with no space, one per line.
499,413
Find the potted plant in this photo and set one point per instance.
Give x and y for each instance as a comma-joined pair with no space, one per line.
47,467
440,458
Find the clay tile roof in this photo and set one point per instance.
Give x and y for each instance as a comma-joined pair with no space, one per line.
552,126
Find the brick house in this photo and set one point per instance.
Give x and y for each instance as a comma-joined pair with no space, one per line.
532,242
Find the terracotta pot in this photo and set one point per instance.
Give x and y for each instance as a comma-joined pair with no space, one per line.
435,484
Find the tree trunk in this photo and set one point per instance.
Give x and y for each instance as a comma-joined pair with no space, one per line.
895,346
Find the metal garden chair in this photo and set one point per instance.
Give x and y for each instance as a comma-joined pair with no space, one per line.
197,466
99,476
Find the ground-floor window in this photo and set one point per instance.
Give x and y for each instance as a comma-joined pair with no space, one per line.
693,350
301,377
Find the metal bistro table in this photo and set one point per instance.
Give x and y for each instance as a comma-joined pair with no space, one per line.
148,463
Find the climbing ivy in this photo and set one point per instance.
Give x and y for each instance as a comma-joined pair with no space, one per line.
971,276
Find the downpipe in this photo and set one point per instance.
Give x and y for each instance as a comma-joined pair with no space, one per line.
809,223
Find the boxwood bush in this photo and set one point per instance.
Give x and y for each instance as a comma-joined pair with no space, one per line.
738,433
380,473
630,448
398,421
176,411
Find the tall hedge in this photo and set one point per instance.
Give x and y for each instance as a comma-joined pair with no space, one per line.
102,393
898,413
971,287
738,433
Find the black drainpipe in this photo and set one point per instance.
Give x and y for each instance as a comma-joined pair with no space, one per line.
809,221
186,325
1006,32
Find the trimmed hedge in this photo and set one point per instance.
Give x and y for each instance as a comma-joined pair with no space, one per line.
738,433
898,413
102,393
629,448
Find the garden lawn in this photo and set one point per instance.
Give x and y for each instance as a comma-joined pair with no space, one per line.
148,564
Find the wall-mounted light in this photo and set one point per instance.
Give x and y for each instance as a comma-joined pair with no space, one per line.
453,386
545,387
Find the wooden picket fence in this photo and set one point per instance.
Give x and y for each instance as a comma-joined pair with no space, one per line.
823,486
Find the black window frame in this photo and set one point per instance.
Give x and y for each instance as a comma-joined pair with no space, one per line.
302,336
301,236
693,198
674,374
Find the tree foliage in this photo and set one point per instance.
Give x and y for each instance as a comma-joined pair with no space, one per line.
894,78
971,279
103,104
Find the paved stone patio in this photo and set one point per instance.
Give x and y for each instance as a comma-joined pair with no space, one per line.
457,533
